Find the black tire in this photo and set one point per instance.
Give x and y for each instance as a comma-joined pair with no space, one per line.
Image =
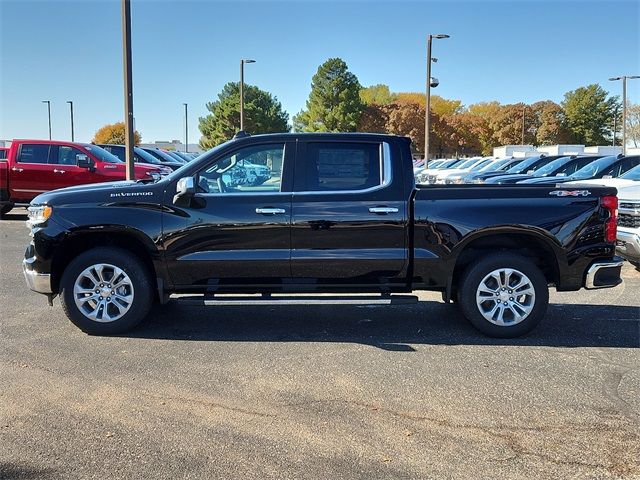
4,209
635,264
471,281
132,267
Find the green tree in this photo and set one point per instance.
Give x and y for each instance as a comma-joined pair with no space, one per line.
334,104
589,113
551,123
507,125
376,95
633,124
263,113
115,134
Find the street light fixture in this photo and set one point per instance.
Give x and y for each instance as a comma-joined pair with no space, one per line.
48,102
242,62
427,115
624,79
71,107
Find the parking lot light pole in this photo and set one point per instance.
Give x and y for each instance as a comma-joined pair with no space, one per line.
427,114
242,62
186,130
48,102
615,126
624,79
71,109
128,89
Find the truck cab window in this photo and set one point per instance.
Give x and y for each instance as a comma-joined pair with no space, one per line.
34,153
66,155
342,166
252,169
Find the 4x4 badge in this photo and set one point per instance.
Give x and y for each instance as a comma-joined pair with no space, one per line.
571,193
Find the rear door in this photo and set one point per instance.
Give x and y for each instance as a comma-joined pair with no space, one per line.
31,173
349,214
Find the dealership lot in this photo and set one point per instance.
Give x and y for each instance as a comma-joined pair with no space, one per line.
318,392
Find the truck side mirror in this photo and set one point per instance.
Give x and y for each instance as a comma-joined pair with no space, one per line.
83,161
185,190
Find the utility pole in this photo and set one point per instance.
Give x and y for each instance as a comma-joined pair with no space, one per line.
48,102
186,130
71,107
128,89
523,109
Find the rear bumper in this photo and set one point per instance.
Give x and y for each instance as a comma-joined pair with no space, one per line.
38,282
604,274
629,243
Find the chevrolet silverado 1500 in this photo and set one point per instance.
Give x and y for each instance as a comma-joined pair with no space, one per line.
340,214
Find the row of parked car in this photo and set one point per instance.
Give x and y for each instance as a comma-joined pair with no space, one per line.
620,171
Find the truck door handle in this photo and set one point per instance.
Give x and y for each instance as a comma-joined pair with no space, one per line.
269,211
384,210
55,170
16,169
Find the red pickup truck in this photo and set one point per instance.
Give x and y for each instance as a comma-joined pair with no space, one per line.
32,167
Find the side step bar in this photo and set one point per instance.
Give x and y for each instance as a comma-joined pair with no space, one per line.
227,300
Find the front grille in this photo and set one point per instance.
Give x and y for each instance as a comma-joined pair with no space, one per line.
630,205
629,221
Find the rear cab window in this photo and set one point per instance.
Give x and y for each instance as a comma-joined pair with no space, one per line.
34,153
340,167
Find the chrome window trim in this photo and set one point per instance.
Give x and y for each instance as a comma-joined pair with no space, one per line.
386,176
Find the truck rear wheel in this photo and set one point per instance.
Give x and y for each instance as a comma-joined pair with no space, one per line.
504,295
106,291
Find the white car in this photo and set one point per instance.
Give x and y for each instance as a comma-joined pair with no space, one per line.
632,177
629,223
463,168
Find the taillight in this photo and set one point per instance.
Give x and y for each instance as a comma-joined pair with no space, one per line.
610,203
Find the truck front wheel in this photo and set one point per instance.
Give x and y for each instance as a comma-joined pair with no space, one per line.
106,291
504,295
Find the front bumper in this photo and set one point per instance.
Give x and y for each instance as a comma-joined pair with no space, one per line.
604,274
38,282
629,243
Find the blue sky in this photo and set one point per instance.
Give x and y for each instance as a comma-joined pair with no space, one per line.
185,51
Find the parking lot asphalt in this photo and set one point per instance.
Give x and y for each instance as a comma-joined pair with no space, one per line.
313,392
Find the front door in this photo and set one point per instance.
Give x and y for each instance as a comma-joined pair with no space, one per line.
349,216
237,232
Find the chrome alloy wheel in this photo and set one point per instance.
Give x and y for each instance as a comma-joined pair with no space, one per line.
505,297
103,292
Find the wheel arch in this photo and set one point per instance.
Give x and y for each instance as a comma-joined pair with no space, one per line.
535,244
81,241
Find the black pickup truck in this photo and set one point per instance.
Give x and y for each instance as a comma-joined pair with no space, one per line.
340,214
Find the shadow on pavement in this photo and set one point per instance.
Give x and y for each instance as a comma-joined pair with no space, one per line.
393,328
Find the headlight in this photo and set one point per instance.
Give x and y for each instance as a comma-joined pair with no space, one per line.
38,215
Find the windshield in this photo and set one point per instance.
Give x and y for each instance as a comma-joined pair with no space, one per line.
551,167
146,157
202,159
524,165
481,164
633,174
101,153
467,163
593,168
